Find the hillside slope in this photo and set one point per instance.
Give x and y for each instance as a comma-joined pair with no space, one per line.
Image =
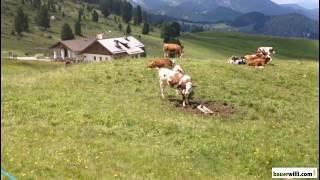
221,45
290,25
106,120
38,41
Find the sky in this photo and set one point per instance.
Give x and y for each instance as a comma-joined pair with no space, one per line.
294,1
304,3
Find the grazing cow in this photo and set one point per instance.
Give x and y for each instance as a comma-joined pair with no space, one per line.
172,49
160,63
266,51
177,80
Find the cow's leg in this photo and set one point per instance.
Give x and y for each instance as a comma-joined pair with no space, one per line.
177,92
165,54
180,54
187,100
162,86
183,101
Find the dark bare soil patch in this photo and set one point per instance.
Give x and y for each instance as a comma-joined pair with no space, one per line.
218,108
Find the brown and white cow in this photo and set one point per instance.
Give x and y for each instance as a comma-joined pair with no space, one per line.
172,49
268,51
160,63
177,80
253,56
258,62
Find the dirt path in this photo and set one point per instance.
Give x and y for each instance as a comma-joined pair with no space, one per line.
32,59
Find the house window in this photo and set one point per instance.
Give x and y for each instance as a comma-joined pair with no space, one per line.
106,58
100,58
94,58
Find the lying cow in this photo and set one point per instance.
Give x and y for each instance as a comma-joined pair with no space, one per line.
160,63
266,51
172,49
253,56
258,62
177,80
236,60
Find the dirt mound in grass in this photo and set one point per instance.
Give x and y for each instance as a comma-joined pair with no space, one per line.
218,108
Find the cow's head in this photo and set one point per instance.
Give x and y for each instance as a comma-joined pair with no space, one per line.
151,64
268,59
272,51
177,68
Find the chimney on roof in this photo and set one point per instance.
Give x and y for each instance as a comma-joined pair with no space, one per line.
117,43
100,36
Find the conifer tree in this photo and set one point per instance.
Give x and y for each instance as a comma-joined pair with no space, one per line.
145,28
128,29
95,16
77,28
120,27
42,18
66,32
18,21
139,15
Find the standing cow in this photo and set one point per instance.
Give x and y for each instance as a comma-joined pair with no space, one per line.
172,49
177,80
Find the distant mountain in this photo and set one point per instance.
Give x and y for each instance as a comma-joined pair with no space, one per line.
210,10
311,13
221,13
315,12
254,19
192,13
149,5
291,25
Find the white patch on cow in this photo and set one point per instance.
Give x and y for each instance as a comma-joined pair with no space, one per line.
165,75
177,68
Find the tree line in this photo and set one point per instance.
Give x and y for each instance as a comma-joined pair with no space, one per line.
121,8
42,18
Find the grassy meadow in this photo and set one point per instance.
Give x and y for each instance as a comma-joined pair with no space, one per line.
107,121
